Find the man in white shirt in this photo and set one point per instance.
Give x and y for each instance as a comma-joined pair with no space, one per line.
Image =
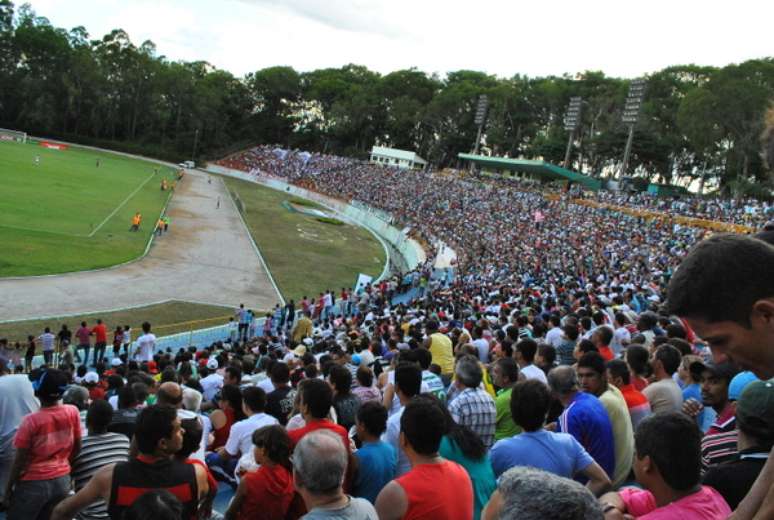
621,336
47,343
525,356
213,382
240,440
554,335
482,345
408,381
146,344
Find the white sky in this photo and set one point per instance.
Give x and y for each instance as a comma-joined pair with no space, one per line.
502,37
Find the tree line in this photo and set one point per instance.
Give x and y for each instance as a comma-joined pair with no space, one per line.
697,122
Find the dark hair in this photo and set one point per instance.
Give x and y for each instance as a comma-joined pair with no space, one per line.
154,423
51,385
146,327
232,395
423,357
280,373
721,278
318,396
364,376
99,415
234,372
254,397
586,345
423,424
527,348
341,378
680,344
673,441
373,417
192,437
158,504
669,357
619,368
408,378
674,330
530,401
548,353
637,358
605,334
469,443
141,391
275,441
594,361
509,368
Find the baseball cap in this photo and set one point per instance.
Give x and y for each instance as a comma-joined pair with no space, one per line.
755,410
739,383
51,384
212,364
116,362
356,359
91,377
308,342
726,370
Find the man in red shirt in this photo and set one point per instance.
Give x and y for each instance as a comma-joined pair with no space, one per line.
84,343
100,335
45,443
435,487
618,375
315,404
602,337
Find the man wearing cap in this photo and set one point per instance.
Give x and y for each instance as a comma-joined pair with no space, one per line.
755,427
45,443
213,382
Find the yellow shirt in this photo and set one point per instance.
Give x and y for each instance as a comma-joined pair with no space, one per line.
442,352
623,433
303,329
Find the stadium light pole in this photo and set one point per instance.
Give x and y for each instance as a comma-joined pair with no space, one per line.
630,117
571,123
480,119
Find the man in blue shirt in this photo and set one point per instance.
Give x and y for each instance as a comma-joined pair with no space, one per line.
557,453
377,460
584,417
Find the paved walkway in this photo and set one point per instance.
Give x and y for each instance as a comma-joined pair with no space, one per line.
207,256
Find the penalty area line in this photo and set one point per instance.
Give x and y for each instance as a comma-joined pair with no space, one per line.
120,205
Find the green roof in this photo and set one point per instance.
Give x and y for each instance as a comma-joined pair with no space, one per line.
538,168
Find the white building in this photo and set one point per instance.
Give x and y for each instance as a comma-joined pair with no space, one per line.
396,158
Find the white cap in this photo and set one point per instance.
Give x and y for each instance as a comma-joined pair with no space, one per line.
116,362
212,364
91,377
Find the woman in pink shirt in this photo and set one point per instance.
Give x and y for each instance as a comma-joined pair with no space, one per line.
45,443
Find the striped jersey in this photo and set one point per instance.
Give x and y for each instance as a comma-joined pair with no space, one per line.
96,452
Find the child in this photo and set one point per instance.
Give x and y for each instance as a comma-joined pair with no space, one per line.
268,492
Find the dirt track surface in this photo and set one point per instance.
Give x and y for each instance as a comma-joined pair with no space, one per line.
206,256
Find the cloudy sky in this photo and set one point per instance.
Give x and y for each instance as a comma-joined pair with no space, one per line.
503,37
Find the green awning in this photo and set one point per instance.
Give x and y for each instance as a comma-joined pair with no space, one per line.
542,169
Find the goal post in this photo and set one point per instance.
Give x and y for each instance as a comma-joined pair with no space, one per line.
13,135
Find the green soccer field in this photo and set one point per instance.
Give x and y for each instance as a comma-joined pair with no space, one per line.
64,213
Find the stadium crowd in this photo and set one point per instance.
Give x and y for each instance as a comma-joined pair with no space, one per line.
582,364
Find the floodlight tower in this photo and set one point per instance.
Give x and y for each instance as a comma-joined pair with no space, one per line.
480,119
631,115
571,123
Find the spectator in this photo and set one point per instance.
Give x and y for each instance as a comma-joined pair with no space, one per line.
158,436
46,442
319,468
584,417
664,395
602,337
315,401
100,448
667,465
158,504
344,401
124,419
505,373
279,402
435,487
558,453
618,375
525,493
638,360
567,346
377,461
266,493
431,383
240,439
755,425
459,444
719,444
525,356
473,407
591,373
440,347
408,382
224,418
366,391
689,372
17,400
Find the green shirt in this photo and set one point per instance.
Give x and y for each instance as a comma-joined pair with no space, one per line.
504,425
480,471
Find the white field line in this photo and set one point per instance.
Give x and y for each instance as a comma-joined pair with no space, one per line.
121,205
